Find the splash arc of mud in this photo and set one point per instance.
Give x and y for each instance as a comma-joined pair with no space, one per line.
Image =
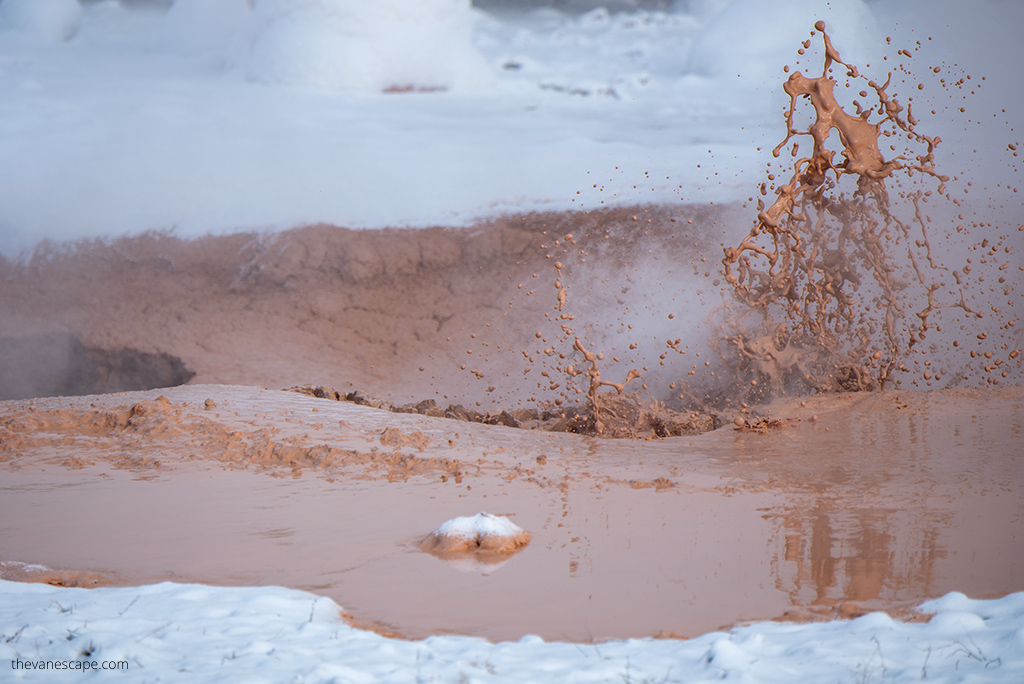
800,273
835,288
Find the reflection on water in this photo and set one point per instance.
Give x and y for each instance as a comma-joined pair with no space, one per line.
830,557
891,502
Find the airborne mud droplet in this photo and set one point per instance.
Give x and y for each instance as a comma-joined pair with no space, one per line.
835,284
836,287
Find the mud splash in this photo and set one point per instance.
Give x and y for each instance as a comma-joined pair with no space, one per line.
833,287
838,286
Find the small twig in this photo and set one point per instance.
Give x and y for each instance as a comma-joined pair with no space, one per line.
129,606
61,608
15,636
881,658
146,636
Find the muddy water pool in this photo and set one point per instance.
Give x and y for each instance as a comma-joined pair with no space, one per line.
858,502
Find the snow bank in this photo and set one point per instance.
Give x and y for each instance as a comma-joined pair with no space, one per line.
374,46
191,633
55,20
478,533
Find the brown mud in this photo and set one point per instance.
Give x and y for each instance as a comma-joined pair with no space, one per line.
616,416
405,315
15,571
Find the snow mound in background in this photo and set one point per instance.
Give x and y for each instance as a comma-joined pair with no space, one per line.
370,46
137,130
482,532
205,25
55,20
752,40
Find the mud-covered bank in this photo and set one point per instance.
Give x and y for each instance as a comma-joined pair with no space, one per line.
391,312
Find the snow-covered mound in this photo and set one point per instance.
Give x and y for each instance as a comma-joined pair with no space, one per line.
191,633
55,20
198,26
374,46
478,533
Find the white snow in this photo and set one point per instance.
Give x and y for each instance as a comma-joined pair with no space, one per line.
213,26
212,117
481,524
227,115
358,45
53,20
191,633
18,566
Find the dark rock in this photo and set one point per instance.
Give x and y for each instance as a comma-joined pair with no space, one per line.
424,405
361,398
321,392
457,412
504,418
523,415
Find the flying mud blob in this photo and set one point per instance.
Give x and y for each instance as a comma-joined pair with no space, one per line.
489,537
848,280
827,282
836,287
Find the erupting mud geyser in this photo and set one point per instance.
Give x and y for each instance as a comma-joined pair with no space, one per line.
837,286
870,263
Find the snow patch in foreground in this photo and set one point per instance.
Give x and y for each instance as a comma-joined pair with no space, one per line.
192,633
